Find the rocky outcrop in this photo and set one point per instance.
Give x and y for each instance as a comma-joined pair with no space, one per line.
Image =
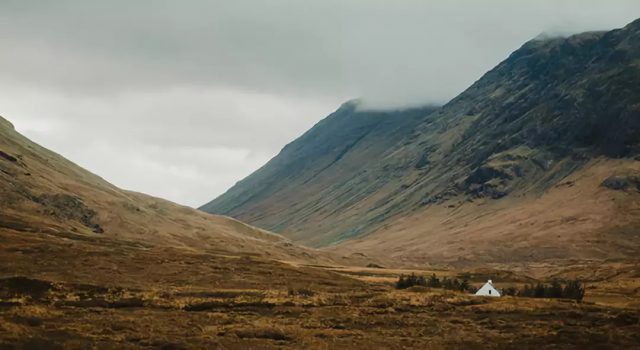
7,156
66,207
622,183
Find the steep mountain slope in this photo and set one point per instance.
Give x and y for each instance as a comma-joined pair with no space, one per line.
47,200
535,137
321,173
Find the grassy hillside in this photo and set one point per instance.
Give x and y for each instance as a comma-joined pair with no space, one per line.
43,193
320,174
84,264
528,153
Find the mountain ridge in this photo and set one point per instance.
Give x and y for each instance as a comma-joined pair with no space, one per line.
42,192
544,113
347,126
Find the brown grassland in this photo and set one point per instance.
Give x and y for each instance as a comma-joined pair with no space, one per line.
70,292
86,265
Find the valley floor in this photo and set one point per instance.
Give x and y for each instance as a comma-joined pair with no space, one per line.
375,316
58,292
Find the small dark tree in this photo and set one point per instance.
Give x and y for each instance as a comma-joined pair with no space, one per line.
511,291
434,282
446,283
574,290
409,281
464,285
422,281
401,283
554,290
539,291
455,284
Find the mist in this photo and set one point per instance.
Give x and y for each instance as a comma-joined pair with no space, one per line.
182,99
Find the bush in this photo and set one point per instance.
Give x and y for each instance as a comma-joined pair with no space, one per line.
405,282
554,290
572,290
434,281
511,291
305,292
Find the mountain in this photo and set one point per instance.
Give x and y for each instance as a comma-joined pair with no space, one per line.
321,173
62,223
536,160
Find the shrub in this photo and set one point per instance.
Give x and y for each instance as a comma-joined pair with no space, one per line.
305,292
464,285
573,289
405,282
554,290
434,281
511,291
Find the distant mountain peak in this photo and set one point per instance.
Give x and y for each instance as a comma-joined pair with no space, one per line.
552,109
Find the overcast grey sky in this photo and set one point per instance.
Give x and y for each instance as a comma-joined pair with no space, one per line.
181,99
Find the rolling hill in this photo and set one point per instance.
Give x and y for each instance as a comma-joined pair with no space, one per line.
62,223
536,161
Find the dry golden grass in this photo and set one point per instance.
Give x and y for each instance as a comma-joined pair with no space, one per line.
110,296
169,277
370,316
42,192
578,219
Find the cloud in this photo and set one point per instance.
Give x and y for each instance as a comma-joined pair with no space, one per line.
183,144
157,80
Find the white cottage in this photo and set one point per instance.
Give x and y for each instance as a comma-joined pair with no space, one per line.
488,290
